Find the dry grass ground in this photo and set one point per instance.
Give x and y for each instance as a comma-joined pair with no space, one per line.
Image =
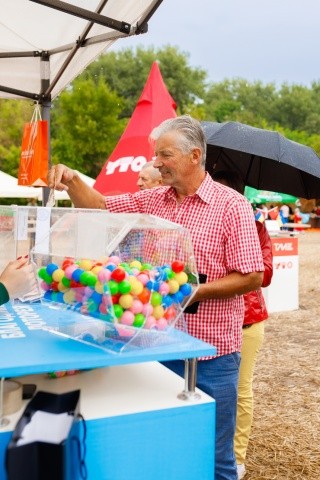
285,439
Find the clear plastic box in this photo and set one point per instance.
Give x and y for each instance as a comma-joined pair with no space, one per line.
125,279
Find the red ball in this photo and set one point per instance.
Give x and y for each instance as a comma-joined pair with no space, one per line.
118,274
177,266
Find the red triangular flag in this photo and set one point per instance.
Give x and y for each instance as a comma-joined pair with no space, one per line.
120,173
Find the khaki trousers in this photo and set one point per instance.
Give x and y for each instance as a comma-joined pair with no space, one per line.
251,344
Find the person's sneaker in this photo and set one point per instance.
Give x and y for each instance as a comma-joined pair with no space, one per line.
241,469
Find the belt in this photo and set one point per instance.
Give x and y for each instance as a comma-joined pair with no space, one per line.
247,326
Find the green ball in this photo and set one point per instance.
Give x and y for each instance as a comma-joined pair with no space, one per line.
139,320
66,282
118,310
113,287
124,287
156,299
146,266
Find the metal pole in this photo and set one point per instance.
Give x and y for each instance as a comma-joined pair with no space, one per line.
45,111
190,377
3,421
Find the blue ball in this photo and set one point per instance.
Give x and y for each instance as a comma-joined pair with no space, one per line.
167,301
76,274
185,289
51,267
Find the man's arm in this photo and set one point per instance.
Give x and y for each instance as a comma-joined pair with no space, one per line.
61,177
229,286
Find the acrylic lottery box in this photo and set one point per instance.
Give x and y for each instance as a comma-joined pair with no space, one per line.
113,279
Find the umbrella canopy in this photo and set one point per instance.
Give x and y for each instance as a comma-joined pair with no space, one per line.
120,173
263,196
265,159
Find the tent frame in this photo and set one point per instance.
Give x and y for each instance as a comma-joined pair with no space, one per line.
122,29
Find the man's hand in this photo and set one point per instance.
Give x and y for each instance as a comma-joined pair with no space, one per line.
58,177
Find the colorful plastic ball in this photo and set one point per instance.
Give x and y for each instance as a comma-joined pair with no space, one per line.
67,262
145,295
153,285
177,297
124,287
186,289
58,275
126,301
136,286
51,267
111,266
177,266
146,266
167,301
135,264
96,297
127,318
96,269
143,278
161,324
147,309
68,271
164,288
62,287
69,297
181,278
173,286
150,322
103,309
44,286
118,310
170,313
99,287
168,273
76,274
66,282
118,274
115,259
137,306
104,275
113,287
156,299
85,264
60,374
158,312
139,320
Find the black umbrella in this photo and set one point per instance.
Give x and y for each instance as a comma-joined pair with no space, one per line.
265,159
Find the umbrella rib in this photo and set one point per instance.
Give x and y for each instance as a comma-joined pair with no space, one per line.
248,171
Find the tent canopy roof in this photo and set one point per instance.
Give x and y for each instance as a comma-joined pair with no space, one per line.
44,45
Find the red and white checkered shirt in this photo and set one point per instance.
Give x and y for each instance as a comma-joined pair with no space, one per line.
225,239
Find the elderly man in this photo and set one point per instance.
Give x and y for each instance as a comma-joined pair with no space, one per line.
149,176
226,248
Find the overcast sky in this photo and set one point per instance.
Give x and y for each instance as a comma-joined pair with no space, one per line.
268,40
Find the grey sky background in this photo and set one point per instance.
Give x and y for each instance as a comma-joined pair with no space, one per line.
272,41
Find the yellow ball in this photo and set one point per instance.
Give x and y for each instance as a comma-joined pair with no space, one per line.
85,264
136,286
58,275
96,269
69,297
158,312
99,287
126,300
181,278
173,286
62,288
135,264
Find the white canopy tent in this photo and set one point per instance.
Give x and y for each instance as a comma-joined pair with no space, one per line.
45,44
9,188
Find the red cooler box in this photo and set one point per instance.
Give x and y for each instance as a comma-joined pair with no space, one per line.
283,293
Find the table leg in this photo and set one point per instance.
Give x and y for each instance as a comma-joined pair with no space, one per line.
190,377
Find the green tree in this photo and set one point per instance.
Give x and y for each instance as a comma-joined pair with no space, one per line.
13,115
126,72
85,125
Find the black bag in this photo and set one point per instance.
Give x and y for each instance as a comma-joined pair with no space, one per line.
40,460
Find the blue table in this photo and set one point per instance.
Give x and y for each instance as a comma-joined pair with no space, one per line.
173,441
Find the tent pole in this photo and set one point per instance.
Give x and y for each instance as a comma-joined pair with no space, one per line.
45,111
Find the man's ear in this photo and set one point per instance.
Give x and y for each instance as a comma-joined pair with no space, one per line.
196,155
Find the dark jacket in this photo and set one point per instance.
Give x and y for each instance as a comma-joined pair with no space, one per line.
254,304
4,297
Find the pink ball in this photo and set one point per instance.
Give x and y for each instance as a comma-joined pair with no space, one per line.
143,277
127,318
147,309
162,324
164,288
69,271
136,306
104,275
44,286
150,322
115,259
